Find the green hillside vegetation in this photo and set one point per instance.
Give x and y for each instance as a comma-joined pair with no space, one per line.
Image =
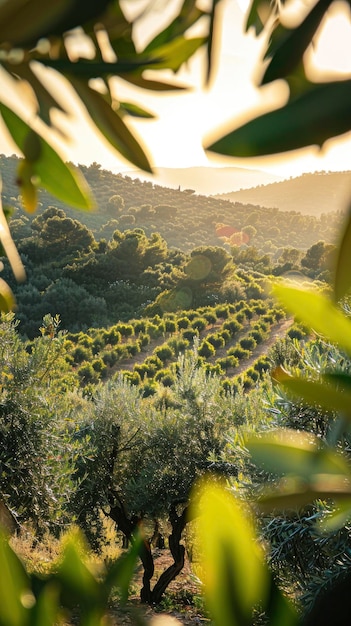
310,194
97,283
184,219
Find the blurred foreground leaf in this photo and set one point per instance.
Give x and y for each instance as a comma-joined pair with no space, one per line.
318,312
235,575
47,169
286,451
320,112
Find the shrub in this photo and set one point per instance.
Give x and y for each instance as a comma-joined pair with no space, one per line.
84,340
109,357
262,364
257,335
228,362
139,326
216,340
222,311
239,352
126,330
252,373
81,353
164,353
178,345
248,343
210,317
133,348
199,323
206,349
87,374
233,326
144,339
170,326
99,367
112,336
190,334
225,334
183,323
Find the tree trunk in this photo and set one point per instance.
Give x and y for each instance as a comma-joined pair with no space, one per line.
128,527
178,552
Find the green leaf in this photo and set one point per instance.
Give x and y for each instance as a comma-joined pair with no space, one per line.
78,584
23,23
7,299
14,587
59,178
86,69
287,46
45,99
120,573
320,112
234,572
46,610
279,609
211,44
13,257
318,312
111,125
134,110
338,517
173,54
188,15
286,451
330,397
342,277
257,15
153,85
293,494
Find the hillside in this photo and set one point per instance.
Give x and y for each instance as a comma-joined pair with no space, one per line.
183,218
311,194
208,180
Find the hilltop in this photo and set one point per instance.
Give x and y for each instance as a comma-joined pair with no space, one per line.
311,194
184,218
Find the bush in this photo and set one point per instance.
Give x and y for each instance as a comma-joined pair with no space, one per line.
190,334
239,352
248,343
112,337
126,330
81,353
183,323
164,353
216,340
199,323
222,311
257,335
170,326
210,317
206,349
225,334
233,326
87,374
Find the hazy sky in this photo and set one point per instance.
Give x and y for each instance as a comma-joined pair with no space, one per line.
186,119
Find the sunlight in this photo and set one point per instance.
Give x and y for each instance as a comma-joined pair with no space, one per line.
331,54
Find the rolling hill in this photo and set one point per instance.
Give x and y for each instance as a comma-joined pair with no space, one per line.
310,194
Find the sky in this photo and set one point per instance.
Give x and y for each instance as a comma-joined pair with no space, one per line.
186,119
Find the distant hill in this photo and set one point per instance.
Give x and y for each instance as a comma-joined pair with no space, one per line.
183,218
208,180
310,194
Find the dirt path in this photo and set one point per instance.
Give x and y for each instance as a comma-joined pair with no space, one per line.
180,612
278,331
